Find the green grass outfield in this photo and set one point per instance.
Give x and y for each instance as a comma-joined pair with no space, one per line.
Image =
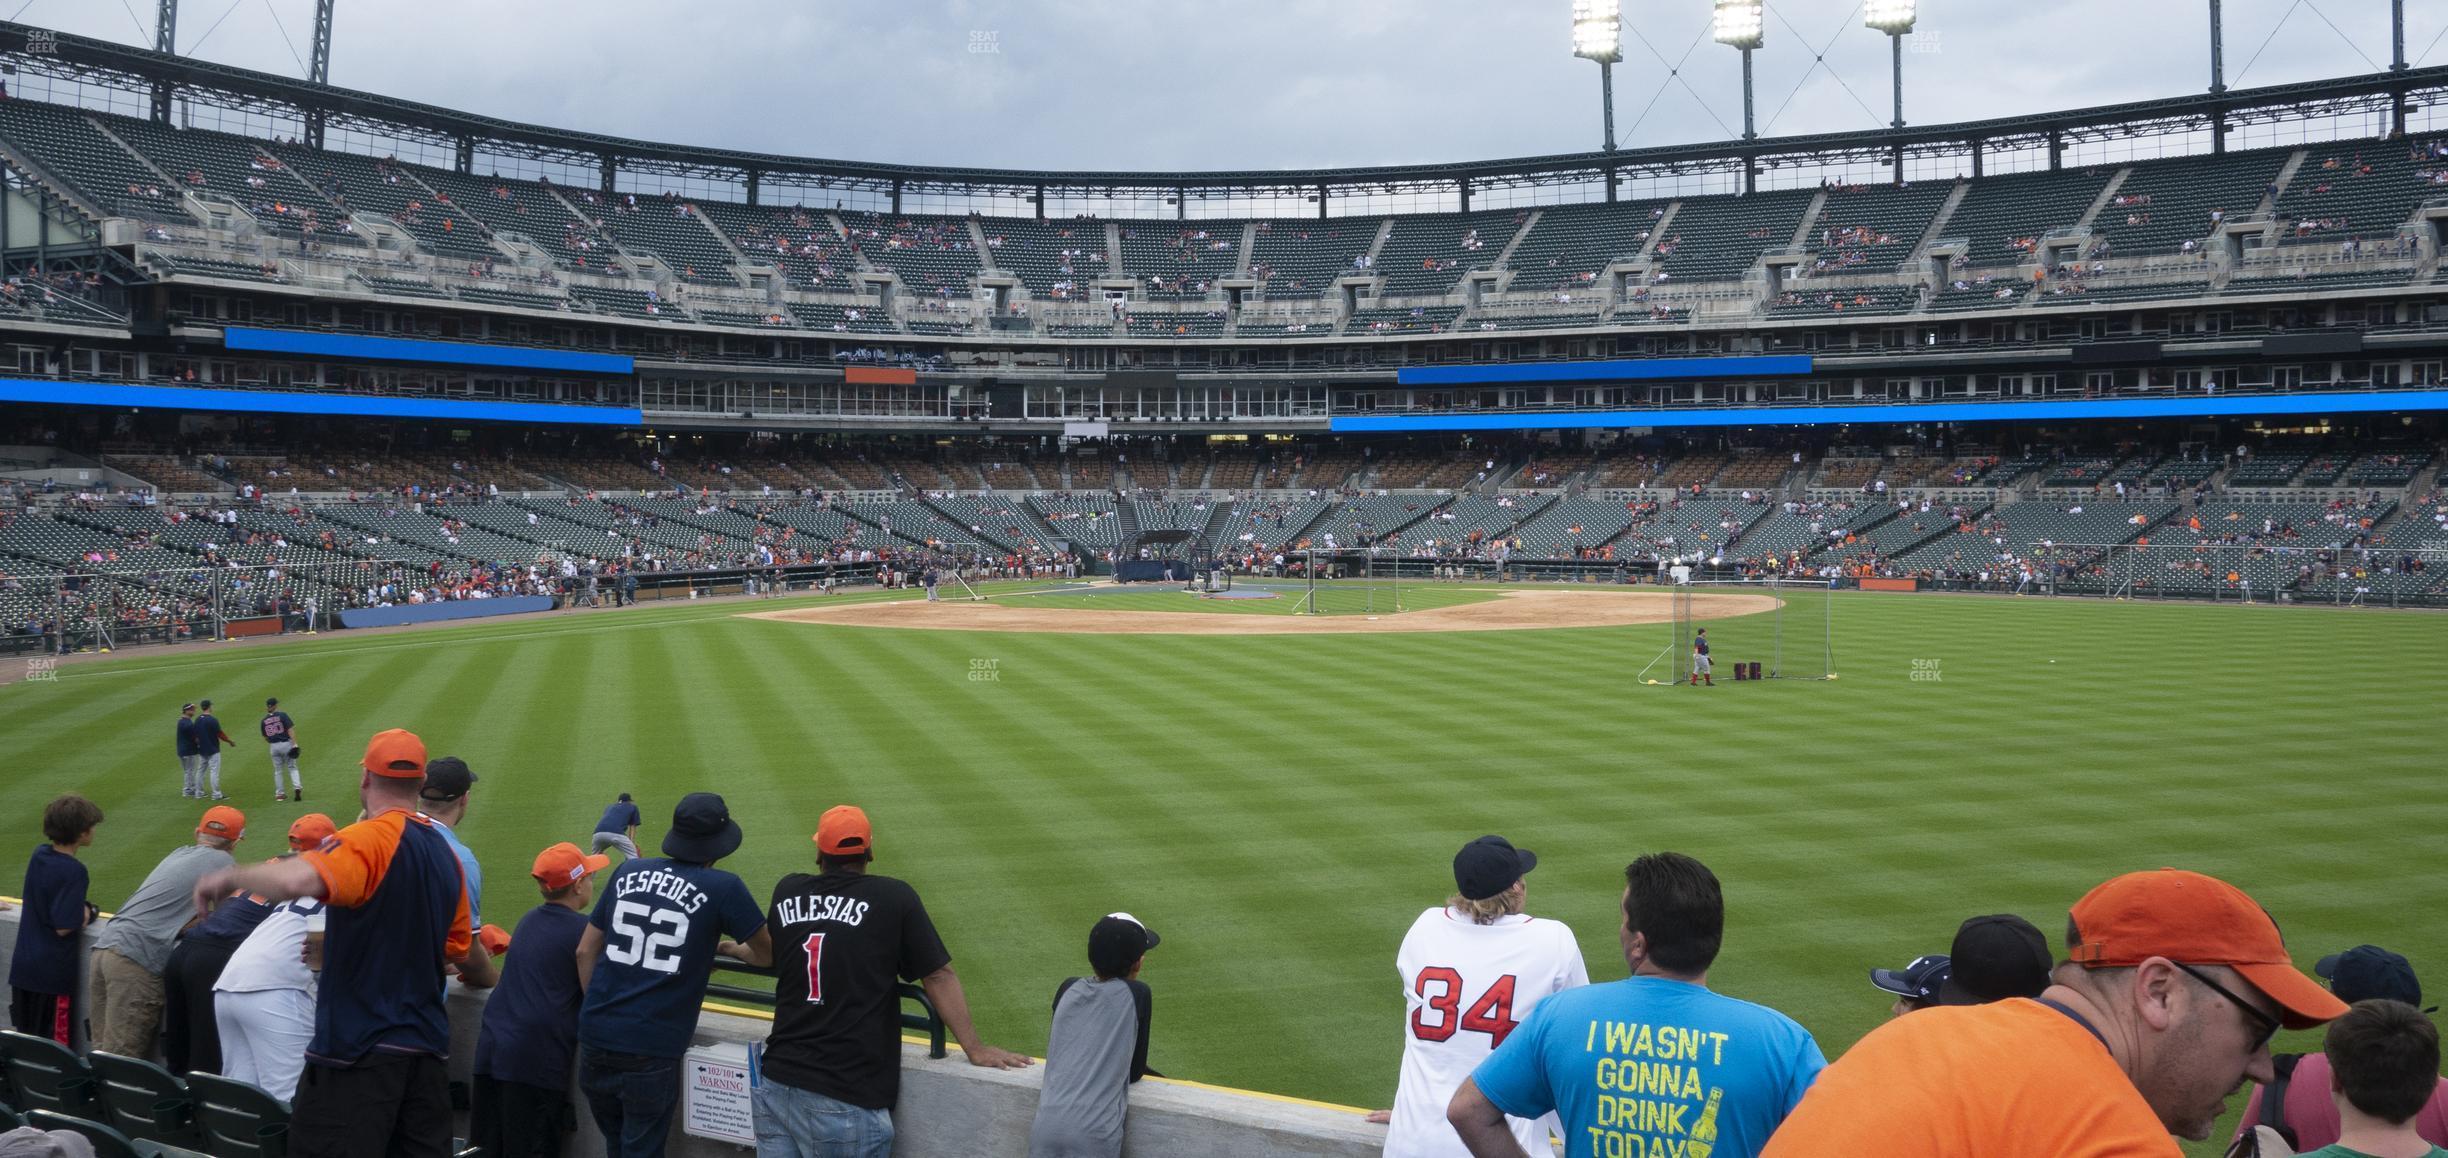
1281,807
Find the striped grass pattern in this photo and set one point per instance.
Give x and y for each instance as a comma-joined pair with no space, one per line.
1280,807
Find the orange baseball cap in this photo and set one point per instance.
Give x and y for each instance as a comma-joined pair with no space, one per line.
2194,919
224,821
309,830
563,864
397,754
494,939
843,831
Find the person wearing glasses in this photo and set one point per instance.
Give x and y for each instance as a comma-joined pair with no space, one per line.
2173,985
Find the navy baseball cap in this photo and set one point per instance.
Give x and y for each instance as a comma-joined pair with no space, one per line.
2368,971
1489,865
1994,958
447,779
1918,981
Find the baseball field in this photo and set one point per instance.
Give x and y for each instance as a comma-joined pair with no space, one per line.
1280,805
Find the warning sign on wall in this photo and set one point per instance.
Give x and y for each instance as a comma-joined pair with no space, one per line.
716,1082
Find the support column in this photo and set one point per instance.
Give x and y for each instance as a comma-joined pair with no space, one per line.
2218,50
2056,142
1321,194
1749,132
1038,200
896,195
1463,183
1606,94
165,42
611,168
465,160
318,66
756,183
1895,45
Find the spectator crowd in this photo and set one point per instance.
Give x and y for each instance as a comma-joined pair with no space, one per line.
2160,1002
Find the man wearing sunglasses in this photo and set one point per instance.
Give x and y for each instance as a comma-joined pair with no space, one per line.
2173,986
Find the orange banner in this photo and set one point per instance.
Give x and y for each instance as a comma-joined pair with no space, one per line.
880,376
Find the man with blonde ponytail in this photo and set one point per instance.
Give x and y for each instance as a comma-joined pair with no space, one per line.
1472,969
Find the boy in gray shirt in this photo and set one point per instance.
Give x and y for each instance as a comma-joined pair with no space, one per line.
1097,1047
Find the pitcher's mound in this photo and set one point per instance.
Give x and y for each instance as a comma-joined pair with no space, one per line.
1510,611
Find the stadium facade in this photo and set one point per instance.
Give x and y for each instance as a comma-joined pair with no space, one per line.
224,282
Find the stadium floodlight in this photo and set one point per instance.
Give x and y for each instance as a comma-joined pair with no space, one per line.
1741,24
1895,18
1597,32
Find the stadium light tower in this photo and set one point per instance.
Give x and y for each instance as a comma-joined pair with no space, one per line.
1895,18
1597,32
1741,24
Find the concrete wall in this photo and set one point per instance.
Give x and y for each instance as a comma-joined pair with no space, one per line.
949,1107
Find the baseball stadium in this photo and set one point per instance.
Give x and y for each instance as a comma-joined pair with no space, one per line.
1909,524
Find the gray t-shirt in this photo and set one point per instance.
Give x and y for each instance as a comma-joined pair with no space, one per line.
146,928
1097,1047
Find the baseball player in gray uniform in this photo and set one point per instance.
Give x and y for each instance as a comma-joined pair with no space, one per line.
280,732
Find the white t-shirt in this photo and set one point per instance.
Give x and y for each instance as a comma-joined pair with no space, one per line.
1465,985
272,955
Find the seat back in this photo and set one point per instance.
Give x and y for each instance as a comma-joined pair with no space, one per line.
238,1120
107,1143
45,1074
9,1119
142,1100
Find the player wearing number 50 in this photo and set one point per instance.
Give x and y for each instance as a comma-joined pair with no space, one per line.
1655,1063
397,915
1472,968
645,959
833,1065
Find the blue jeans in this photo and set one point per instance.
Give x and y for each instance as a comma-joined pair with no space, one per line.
632,1098
796,1123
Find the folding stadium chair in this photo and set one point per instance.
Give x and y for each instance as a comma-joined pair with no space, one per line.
143,1101
45,1074
238,1120
9,1119
107,1143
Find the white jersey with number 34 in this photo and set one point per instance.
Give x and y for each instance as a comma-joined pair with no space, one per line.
1466,986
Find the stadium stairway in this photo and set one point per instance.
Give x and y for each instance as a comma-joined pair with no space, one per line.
1219,522
1126,520
1810,219
1938,222
2108,191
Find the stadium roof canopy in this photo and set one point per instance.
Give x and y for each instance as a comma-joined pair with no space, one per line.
91,61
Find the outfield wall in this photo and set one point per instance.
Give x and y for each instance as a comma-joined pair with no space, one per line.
949,1107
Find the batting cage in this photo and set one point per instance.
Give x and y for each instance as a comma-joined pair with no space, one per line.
1760,629
1157,557
1362,581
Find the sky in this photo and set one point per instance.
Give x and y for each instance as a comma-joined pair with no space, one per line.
1254,84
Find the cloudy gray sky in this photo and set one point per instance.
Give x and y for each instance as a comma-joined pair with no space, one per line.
1188,84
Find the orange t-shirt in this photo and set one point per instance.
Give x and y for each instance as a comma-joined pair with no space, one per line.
2016,1079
